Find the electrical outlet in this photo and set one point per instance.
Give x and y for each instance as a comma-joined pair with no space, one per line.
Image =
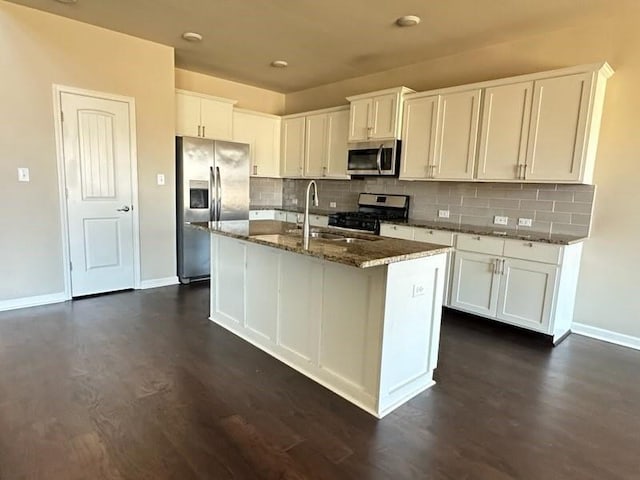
443,213
332,204
294,201
418,290
160,179
525,222
23,175
498,220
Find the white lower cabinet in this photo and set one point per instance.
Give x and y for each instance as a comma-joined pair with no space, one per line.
360,332
535,290
475,283
526,293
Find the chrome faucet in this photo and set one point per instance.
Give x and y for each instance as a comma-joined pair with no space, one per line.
305,222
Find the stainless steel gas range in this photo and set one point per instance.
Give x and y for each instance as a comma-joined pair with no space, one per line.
373,208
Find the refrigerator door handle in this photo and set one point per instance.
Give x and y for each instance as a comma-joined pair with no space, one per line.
218,194
213,204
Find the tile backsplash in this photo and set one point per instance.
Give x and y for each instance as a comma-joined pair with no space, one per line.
266,191
553,208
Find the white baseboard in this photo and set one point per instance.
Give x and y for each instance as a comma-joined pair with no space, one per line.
158,282
606,335
36,301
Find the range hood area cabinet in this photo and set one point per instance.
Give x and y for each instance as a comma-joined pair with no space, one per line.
376,115
533,128
314,144
203,116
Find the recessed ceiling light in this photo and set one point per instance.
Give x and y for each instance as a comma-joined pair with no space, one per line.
408,21
67,1
192,37
279,64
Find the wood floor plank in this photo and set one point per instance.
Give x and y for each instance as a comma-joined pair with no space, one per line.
140,385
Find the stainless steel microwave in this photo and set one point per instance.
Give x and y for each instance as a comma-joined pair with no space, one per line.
374,158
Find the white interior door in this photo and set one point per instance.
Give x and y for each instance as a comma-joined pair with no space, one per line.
97,160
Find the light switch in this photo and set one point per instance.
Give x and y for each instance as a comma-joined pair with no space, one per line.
23,174
160,179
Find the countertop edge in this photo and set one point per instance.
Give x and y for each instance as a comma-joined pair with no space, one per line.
377,262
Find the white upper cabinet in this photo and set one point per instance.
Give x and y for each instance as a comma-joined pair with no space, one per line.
559,120
316,143
419,126
457,136
204,116
319,139
504,132
359,129
338,130
440,135
536,128
262,132
292,147
384,116
188,115
376,115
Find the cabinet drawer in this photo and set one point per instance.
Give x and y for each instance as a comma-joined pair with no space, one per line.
293,217
480,244
280,215
439,237
261,215
318,221
537,252
396,231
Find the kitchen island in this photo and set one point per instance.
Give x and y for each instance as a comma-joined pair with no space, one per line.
359,314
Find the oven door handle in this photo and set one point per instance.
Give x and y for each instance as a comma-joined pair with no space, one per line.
379,159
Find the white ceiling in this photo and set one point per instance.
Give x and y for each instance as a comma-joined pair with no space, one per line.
323,40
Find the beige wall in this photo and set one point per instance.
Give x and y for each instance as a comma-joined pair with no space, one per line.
36,51
251,98
608,294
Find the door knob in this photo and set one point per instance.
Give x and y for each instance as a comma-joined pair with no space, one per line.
124,209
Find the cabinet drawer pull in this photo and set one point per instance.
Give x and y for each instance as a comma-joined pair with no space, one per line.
477,238
204,134
530,244
199,130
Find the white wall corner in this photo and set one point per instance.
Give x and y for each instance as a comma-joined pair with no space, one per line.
35,301
606,335
158,282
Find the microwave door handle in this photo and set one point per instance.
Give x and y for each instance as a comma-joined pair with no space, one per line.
213,204
219,193
379,159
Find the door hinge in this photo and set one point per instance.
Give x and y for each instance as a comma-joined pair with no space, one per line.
71,266
61,116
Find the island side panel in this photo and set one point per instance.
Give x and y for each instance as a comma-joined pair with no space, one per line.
322,318
411,332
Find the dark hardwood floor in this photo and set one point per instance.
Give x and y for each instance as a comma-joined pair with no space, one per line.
140,385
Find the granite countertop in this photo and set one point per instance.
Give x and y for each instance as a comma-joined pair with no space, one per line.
553,238
365,251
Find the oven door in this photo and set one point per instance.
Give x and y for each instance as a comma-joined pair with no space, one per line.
373,159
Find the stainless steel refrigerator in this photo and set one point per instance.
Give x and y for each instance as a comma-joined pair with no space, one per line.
212,185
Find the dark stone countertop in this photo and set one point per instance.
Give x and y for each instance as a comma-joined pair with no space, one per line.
365,251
